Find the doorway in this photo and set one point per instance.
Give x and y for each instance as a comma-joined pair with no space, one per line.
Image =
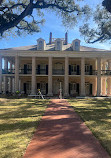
27,88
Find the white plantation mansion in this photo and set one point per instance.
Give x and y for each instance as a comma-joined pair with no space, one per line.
82,71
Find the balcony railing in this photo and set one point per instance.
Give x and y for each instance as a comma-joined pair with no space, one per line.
41,72
93,72
58,71
75,73
25,71
8,71
105,72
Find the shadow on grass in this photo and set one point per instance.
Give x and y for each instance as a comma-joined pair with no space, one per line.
97,115
21,114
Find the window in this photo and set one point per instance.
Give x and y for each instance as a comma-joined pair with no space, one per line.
87,68
77,46
73,88
40,45
73,68
43,66
58,45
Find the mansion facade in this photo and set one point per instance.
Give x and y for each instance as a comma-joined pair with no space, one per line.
80,70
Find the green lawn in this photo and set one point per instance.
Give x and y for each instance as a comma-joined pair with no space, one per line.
19,119
97,116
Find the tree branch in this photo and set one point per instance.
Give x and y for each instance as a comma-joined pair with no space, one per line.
13,6
40,4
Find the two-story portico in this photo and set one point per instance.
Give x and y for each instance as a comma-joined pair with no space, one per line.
82,72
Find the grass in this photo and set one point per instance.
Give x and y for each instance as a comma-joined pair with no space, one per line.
96,114
19,119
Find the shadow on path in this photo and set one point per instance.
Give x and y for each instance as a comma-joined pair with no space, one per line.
62,134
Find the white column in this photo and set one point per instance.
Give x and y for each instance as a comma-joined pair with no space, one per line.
0,74
13,85
5,79
83,77
16,73
66,77
50,77
33,88
10,84
109,80
99,77
10,78
104,81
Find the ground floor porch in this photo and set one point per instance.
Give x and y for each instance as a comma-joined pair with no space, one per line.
58,82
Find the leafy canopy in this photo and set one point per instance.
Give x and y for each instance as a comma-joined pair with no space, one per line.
101,30
19,15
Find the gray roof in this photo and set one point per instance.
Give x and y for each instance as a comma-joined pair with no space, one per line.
51,47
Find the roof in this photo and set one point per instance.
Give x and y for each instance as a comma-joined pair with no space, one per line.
51,47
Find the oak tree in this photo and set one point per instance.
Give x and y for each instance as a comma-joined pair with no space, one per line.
27,15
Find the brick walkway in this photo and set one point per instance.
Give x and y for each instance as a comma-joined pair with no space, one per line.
62,134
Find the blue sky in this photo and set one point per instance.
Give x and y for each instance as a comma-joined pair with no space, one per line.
53,24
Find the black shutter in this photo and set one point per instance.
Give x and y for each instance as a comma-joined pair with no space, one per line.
78,73
69,88
46,88
38,70
38,85
46,69
90,89
77,88
25,69
90,69
25,88
69,69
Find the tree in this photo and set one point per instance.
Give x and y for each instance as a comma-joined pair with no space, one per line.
101,30
19,14
107,5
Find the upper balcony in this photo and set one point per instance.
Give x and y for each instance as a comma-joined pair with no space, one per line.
74,73
55,72
92,72
105,72
58,71
8,71
42,71
25,71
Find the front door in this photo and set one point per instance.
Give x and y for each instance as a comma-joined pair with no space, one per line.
27,88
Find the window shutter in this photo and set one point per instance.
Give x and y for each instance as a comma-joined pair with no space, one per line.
78,73
46,69
69,88
90,69
69,69
38,70
90,89
25,69
77,88
46,88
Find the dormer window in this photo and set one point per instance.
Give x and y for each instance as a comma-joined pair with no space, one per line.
58,44
76,45
41,44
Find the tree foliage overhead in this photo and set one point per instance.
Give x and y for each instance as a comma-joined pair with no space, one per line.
20,14
101,29
107,5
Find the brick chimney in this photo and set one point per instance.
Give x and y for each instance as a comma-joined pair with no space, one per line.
66,38
50,38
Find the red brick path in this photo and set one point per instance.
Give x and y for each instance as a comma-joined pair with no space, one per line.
62,134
